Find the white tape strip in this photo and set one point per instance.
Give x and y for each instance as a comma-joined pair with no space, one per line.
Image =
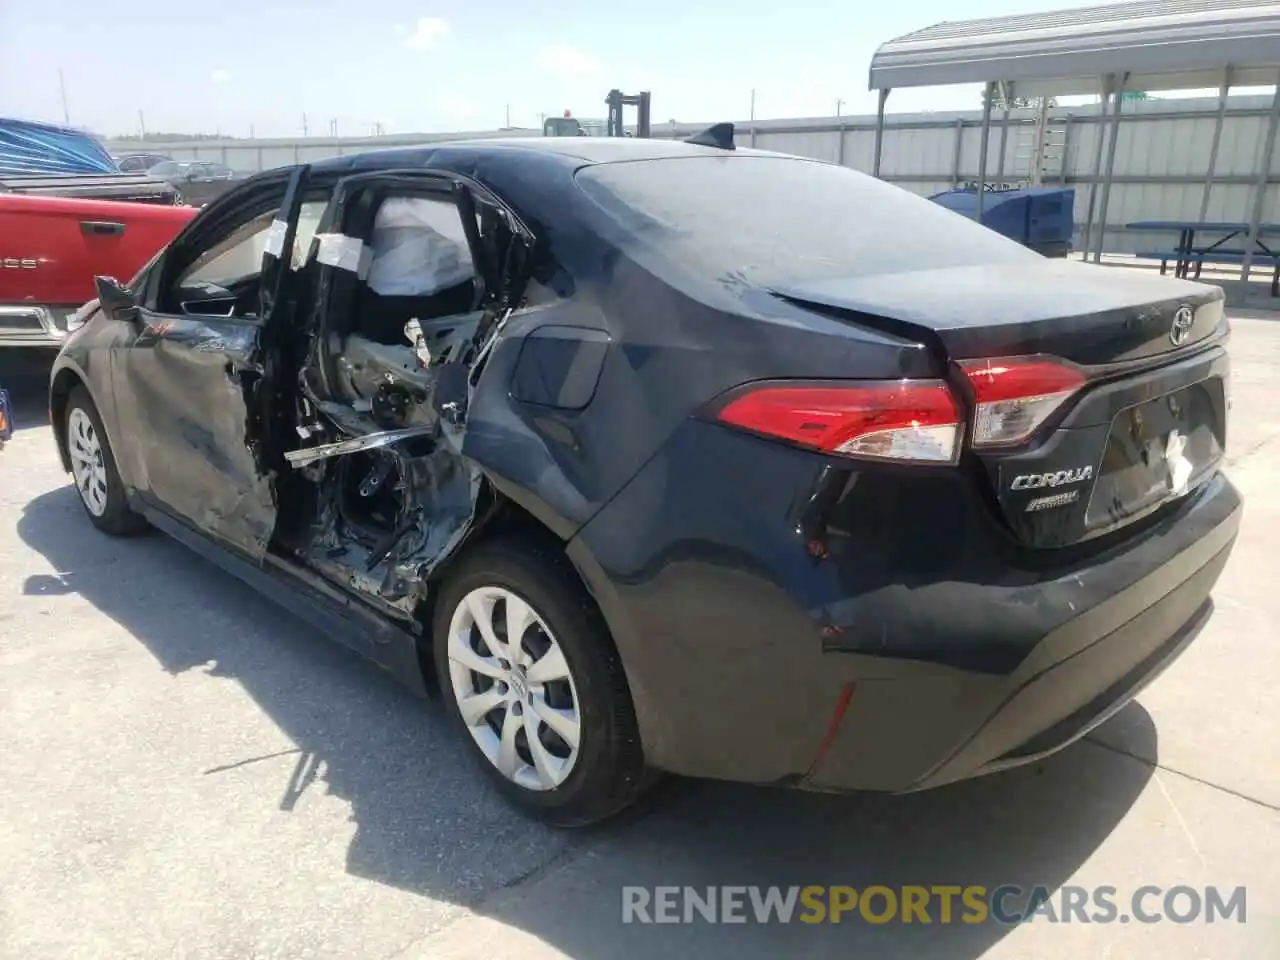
345,253
275,238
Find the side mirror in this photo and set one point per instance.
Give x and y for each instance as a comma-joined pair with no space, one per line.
116,299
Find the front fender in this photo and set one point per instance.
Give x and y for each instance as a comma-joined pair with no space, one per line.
65,376
85,359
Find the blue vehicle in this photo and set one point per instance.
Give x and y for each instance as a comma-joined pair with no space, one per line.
6,421
1042,218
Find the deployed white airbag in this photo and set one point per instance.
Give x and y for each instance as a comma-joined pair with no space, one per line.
419,248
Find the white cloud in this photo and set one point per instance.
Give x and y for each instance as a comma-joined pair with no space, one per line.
219,76
427,32
565,60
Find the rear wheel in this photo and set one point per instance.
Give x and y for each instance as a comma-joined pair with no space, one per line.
529,671
93,468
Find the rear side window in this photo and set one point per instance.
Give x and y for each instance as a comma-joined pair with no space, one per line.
772,220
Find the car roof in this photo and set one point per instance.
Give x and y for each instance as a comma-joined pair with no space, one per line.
572,151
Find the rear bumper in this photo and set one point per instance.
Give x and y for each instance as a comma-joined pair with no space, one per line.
33,325
1075,680
915,651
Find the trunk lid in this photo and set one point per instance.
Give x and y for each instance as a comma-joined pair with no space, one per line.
1146,421
1087,314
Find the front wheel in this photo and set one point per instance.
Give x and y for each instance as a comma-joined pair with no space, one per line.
93,468
530,673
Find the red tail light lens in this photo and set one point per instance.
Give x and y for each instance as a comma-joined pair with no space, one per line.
902,420
1015,395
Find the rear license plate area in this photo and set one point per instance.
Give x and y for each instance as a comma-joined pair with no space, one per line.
1157,451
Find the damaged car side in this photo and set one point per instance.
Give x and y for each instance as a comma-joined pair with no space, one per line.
660,456
287,389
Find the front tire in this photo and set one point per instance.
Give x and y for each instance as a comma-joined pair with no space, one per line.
93,468
529,672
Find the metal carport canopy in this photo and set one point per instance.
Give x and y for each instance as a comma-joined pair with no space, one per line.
1146,45
1169,45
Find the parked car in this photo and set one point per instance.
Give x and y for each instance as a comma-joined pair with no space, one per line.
140,162
67,214
656,456
1042,218
198,181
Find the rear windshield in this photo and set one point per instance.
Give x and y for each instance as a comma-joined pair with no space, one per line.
768,221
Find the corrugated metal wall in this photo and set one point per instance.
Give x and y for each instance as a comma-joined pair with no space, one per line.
1162,155
250,156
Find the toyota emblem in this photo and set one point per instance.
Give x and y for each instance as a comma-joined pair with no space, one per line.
1183,321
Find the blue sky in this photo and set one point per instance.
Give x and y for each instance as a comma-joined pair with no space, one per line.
233,66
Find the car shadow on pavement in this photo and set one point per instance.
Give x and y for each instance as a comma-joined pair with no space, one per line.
427,821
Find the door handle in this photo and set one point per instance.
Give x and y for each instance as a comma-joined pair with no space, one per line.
101,228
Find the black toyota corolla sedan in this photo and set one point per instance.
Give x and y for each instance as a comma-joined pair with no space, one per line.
660,456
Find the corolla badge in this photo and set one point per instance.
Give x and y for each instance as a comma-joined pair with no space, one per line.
1183,321
1036,481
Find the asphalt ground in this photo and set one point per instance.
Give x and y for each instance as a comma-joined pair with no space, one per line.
187,771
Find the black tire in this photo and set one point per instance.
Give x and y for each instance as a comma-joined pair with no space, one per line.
609,773
116,519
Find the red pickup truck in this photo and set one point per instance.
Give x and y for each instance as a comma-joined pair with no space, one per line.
66,216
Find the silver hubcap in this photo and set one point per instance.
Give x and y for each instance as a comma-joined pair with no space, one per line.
86,462
513,688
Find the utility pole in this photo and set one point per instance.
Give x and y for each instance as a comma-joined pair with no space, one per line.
839,104
753,104
251,136
508,115
62,85
305,131
142,126
333,128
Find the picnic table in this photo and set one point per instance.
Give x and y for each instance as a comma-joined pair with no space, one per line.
1188,252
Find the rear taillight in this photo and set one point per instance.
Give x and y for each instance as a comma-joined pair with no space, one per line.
900,420
1013,396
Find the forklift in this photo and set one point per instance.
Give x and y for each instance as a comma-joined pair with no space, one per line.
616,100
570,126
